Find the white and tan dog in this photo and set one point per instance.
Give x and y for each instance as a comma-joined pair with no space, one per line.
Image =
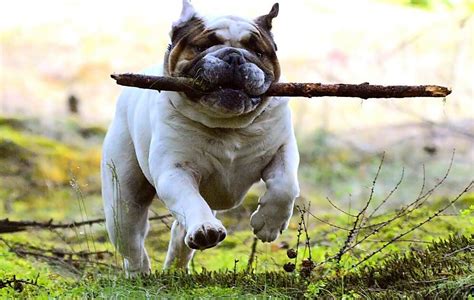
200,154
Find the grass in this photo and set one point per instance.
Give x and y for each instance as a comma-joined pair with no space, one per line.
444,268
433,260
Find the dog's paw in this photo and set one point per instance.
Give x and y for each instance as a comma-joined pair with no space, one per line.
269,221
142,269
205,235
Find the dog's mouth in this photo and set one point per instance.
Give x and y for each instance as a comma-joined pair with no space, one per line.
234,81
229,101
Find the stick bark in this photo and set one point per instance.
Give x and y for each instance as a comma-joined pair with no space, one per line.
364,90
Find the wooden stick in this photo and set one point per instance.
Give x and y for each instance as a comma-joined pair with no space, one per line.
364,90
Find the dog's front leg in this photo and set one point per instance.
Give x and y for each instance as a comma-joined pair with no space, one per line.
178,188
276,205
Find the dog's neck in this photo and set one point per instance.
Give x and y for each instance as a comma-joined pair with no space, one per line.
197,113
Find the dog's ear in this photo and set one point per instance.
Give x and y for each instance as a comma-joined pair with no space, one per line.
265,21
187,13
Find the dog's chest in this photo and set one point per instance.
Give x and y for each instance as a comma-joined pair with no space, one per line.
230,163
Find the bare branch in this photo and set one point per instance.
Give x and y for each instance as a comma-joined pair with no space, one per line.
468,187
404,211
407,209
72,260
17,284
328,223
388,196
253,250
360,216
339,209
305,229
7,226
364,90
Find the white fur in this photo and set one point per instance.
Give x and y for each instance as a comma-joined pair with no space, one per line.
164,144
230,28
187,12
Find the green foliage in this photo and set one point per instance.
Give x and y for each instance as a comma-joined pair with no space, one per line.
325,164
407,268
43,161
26,269
443,269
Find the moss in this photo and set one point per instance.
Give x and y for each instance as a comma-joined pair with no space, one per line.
44,161
443,268
12,122
92,131
30,162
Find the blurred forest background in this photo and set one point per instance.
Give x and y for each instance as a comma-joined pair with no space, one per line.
55,54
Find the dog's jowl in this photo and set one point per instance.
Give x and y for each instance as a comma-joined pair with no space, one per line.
201,153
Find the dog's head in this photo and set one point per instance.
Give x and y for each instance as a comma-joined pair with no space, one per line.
235,57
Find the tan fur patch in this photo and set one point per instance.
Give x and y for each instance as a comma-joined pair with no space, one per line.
191,38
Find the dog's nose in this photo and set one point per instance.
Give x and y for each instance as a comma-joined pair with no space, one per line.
234,59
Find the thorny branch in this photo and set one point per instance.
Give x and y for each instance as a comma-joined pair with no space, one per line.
364,90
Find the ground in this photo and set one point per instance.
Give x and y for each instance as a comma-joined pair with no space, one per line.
55,176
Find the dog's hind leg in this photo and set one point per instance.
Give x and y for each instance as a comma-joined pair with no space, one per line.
179,254
127,195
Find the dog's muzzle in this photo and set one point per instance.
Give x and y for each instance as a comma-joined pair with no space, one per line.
236,78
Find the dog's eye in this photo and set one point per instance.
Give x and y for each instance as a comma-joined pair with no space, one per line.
199,48
259,54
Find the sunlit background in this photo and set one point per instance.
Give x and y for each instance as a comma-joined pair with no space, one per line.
54,50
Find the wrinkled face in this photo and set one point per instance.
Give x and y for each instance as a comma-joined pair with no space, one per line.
236,57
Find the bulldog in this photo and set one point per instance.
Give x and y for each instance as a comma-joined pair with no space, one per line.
200,153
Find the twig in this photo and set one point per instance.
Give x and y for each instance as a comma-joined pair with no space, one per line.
252,254
339,209
298,236
161,220
406,210
388,196
356,224
302,211
468,187
467,248
328,223
70,259
7,226
364,90
235,271
17,284
400,241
